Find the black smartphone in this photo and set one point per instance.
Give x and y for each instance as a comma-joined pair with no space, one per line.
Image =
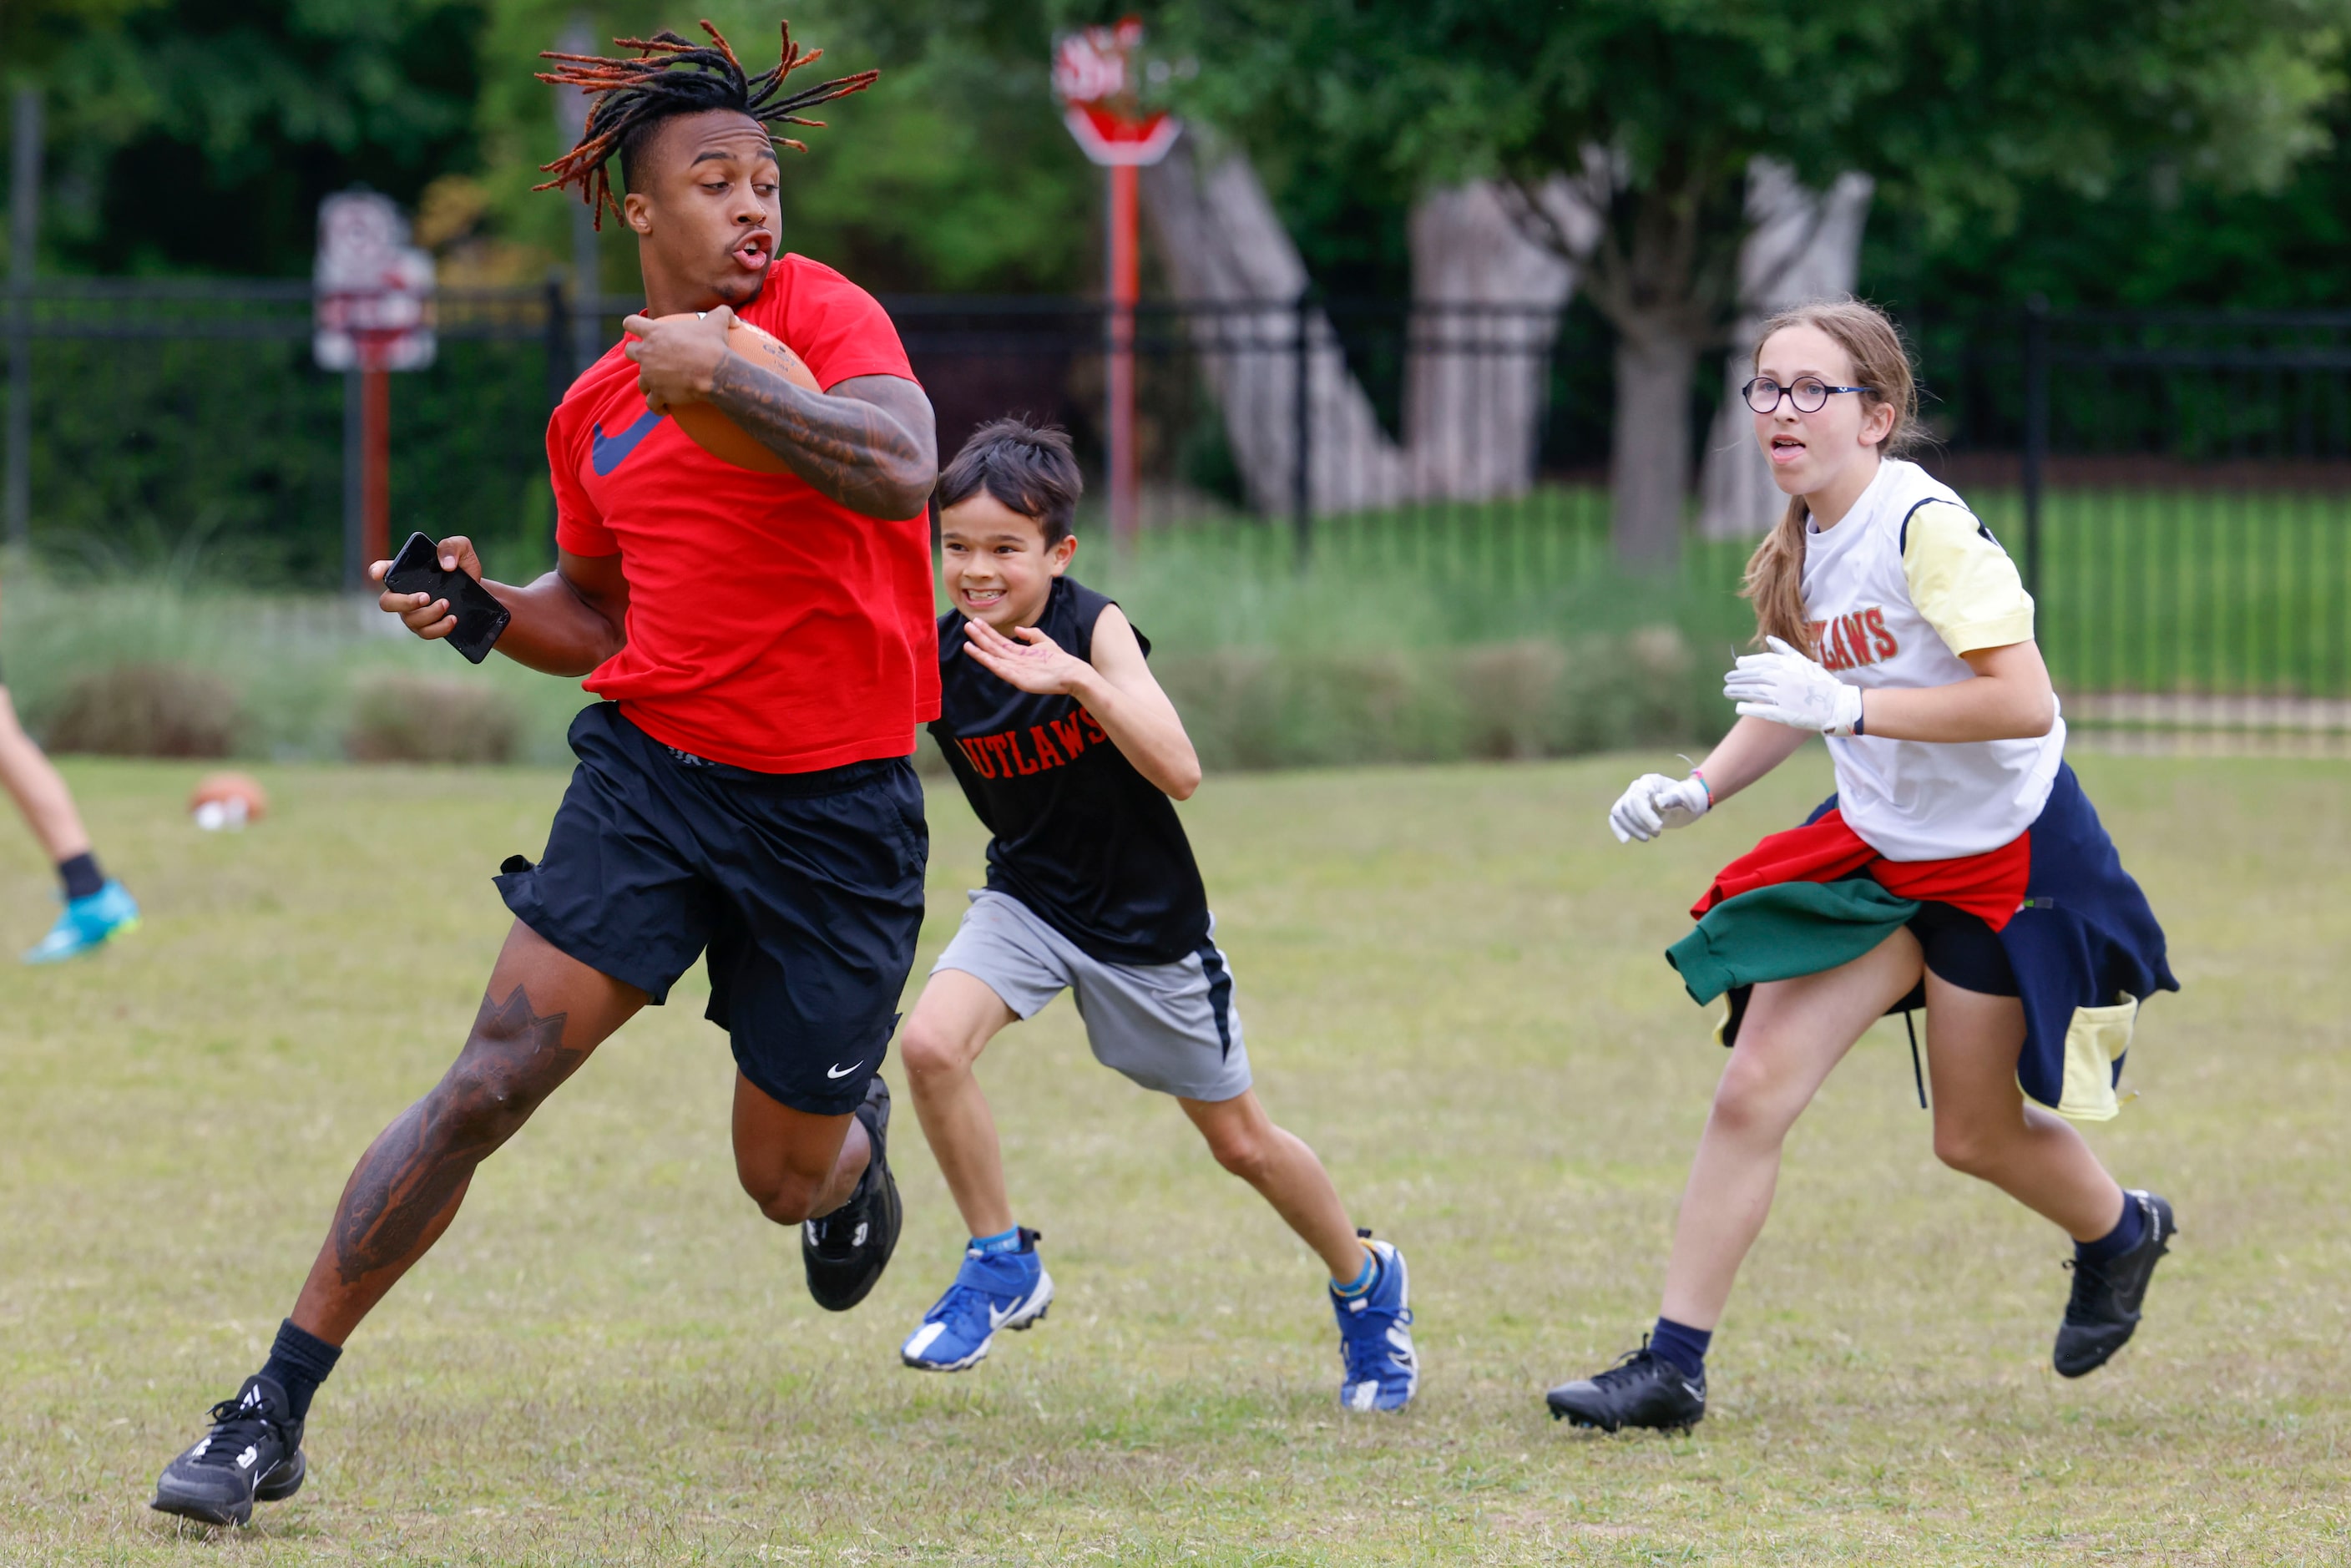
480,617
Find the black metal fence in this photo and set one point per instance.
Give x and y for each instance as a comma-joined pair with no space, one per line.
2178,486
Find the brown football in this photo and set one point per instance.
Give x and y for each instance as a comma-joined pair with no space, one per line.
227,800
721,436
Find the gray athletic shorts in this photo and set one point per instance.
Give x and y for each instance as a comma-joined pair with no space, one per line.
1169,1027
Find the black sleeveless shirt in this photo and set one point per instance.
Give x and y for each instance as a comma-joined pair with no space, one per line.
1081,837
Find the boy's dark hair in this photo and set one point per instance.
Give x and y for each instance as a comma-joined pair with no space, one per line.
1029,468
672,76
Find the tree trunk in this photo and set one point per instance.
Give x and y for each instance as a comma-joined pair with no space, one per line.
1486,307
1655,358
1225,246
1804,246
1658,260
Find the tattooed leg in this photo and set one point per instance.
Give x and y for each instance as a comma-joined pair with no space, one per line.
542,1014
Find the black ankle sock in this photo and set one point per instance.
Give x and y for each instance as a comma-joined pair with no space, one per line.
298,1363
2125,1236
80,874
1681,1344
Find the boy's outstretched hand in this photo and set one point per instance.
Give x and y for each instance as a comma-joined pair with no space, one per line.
1034,664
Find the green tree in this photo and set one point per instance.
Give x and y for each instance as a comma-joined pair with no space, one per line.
1654,109
953,173
2164,240
34,33
197,135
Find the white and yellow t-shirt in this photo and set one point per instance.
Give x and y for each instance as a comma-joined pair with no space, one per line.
1896,590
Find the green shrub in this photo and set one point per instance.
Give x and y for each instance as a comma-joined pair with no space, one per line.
1511,698
431,719
1352,661
1257,707
146,709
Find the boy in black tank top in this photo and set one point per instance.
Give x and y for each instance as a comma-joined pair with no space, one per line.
1070,753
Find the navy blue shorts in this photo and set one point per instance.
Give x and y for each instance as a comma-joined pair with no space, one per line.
1962,950
805,889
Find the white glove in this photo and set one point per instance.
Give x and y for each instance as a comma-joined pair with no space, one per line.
1788,688
1654,803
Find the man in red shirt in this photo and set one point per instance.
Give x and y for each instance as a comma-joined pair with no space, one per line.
765,648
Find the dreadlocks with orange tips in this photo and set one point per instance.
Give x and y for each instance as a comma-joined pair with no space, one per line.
671,76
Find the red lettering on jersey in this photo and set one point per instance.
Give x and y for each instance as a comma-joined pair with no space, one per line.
1093,730
1019,757
1857,637
1820,630
1047,754
976,752
1071,733
1002,746
1886,646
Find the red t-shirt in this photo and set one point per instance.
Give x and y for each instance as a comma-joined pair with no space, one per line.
768,627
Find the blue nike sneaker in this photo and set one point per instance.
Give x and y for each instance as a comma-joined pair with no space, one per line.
87,923
1375,1336
991,1292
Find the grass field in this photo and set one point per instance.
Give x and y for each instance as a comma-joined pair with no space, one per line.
1453,987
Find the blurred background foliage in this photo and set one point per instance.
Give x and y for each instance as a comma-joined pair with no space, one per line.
196,136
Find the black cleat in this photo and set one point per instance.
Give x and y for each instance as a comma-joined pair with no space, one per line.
253,1454
2104,1309
1642,1389
845,1251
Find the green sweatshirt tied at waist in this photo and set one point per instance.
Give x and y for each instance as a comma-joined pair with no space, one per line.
1789,929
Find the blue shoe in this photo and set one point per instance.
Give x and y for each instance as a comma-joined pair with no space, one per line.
999,1290
1375,1336
87,923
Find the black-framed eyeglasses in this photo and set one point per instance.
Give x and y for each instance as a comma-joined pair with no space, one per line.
1810,394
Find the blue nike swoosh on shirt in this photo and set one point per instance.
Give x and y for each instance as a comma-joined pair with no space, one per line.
609,452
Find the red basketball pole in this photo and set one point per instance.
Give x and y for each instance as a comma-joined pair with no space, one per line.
1125,289
375,460
1095,77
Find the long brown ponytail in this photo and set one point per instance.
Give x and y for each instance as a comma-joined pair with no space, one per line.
1775,572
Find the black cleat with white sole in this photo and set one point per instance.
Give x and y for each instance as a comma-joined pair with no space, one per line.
1642,1389
253,1454
845,1251
2104,1310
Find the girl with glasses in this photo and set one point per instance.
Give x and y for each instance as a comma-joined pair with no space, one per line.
1958,867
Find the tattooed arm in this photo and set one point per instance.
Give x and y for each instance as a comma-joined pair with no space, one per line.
871,443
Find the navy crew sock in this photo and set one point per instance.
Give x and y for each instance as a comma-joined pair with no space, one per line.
2125,1236
1681,1344
80,874
298,1363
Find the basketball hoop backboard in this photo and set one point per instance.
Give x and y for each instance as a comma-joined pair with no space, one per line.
1094,76
374,300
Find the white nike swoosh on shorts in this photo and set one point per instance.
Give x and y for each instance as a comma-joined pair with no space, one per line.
843,1071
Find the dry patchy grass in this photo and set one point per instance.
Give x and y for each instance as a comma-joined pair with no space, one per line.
1454,990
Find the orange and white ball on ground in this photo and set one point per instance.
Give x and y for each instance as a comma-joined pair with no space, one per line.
721,436
227,800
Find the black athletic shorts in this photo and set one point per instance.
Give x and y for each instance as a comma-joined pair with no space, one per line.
1962,950
806,889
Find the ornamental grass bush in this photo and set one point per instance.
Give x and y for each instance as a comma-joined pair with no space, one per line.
147,708
432,718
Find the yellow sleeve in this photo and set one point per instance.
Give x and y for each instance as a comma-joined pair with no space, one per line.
1963,582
